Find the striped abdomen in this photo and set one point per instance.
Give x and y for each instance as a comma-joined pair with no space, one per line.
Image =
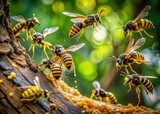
19,28
75,29
31,92
56,71
144,24
112,98
147,84
137,56
67,61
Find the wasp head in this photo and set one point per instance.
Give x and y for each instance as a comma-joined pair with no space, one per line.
127,79
58,49
127,28
35,21
98,19
119,64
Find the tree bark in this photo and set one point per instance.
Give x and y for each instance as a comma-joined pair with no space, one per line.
11,51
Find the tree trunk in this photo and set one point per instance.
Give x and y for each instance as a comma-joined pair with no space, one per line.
13,58
11,51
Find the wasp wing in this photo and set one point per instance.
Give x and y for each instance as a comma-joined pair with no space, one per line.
36,82
140,42
77,17
73,48
18,18
78,20
130,44
74,15
96,85
142,14
149,76
48,31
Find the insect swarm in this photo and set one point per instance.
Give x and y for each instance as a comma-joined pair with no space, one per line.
81,22
139,24
137,80
130,56
23,25
102,95
39,39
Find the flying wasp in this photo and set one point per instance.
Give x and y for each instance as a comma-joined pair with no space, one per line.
81,22
53,67
62,56
139,24
130,56
137,80
23,25
39,39
32,93
101,94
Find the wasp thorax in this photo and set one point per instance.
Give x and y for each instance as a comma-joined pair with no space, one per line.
38,36
58,49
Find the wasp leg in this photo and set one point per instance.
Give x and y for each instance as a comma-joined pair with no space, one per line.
32,47
28,100
148,34
27,34
132,69
92,95
130,87
98,26
126,71
48,45
138,62
138,93
80,34
95,28
131,34
140,34
44,49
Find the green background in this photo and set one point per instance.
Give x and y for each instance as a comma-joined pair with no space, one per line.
91,61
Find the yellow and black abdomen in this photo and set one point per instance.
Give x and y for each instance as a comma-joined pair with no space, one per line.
56,71
76,28
137,56
112,98
144,24
67,61
31,92
19,28
147,84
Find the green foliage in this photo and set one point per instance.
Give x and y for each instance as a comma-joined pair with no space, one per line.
91,61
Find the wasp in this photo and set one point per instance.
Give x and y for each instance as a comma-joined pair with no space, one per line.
32,93
62,56
23,25
54,68
137,80
101,94
81,22
139,24
130,56
39,39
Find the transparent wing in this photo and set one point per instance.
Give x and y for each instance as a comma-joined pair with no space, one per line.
18,18
130,44
48,31
142,14
140,42
73,48
96,85
36,82
149,76
74,15
78,20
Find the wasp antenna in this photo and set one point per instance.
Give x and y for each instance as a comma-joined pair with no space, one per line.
102,10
